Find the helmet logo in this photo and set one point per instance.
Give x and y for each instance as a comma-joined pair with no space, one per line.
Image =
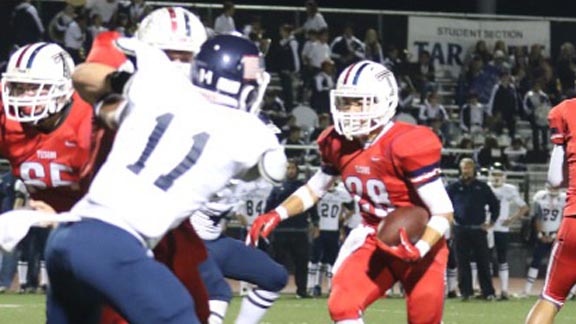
205,76
66,73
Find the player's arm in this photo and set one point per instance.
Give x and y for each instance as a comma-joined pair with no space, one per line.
102,86
557,167
301,200
557,174
436,199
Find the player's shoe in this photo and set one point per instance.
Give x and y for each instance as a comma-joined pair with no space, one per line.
2,289
503,296
317,291
452,294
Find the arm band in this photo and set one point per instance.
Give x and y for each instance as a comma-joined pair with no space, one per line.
439,223
423,247
305,196
555,169
282,212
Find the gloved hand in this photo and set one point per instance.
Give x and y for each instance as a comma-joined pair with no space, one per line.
405,250
263,226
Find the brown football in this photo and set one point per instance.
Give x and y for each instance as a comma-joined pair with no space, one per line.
412,218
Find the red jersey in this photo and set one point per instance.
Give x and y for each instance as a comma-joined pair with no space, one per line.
562,121
384,175
52,165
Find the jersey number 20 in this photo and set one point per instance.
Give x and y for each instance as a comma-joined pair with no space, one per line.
166,181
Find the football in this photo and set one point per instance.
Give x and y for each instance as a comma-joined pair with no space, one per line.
412,218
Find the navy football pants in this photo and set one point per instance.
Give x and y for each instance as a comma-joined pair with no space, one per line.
92,262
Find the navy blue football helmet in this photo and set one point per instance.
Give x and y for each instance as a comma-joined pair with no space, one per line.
229,70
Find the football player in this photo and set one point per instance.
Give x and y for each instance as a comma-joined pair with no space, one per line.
561,276
179,34
507,194
548,206
153,179
331,209
229,72
384,164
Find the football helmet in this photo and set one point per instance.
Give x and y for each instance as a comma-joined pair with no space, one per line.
373,89
37,82
172,28
496,175
229,70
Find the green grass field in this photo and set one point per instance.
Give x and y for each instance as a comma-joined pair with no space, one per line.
28,309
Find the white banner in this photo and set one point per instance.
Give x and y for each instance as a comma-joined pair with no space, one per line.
450,41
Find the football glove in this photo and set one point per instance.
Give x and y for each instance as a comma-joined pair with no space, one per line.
263,226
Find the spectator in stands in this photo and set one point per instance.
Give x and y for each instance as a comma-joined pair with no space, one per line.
500,61
107,9
481,50
566,68
59,23
324,121
535,57
314,19
347,49
306,118
316,50
224,23
323,83
288,63
473,115
136,10
470,198
500,45
26,27
516,155
273,108
537,105
75,37
490,153
474,79
503,105
96,26
294,138
123,25
423,74
373,46
432,110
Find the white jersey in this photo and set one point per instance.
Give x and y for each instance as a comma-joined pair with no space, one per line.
356,218
548,208
253,196
172,153
329,207
507,194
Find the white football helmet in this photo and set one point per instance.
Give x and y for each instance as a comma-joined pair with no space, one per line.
372,84
37,82
172,28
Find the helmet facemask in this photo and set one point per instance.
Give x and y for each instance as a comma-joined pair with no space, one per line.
31,100
364,100
371,112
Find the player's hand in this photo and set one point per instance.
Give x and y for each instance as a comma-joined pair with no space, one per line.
262,226
405,250
40,205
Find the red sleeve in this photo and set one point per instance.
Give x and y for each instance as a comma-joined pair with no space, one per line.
104,51
328,147
558,129
417,153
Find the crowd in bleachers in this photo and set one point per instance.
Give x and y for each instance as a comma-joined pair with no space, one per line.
497,106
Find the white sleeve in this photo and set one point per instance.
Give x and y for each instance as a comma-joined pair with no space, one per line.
517,199
556,167
435,197
320,182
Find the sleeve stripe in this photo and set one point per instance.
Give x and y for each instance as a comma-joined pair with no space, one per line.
424,170
555,136
426,177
